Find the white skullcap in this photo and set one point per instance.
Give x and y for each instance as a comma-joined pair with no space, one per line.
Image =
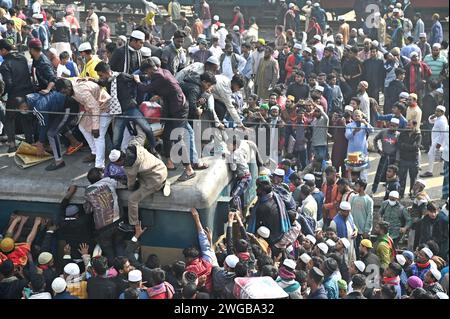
308,3
307,49
231,261
345,205
400,259
427,251
377,14
59,285
396,10
138,35
291,5
422,35
305,258
102,19
123,38
135,276
354,30
375,43
72,269
394,194
440,90
278,172
403,95
274,107
323,248
114,156
264,232
317,37
290,263
361,266
441,108
298,46
213,60
38,16
44,258
330,243
421,181
414,54
348,108
85,46
289,249
319,88
236,28
312,239
398,5
146,52
222,25
341,18
316,4
345,242
442,295
309,177
216,17
436,45
436,274
395,120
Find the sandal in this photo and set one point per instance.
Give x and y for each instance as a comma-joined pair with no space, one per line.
199,167
73,149
185,177
53,166
171,168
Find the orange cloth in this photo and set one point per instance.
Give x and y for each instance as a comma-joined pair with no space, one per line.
329,208
19,255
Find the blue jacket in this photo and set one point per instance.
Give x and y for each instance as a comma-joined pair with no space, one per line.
437,34
52,102
319,294
389,117
331,287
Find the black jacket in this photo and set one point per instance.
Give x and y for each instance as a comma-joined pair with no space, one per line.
44,72
101,288
16,75
408,146
374,74
133,60
126,91
12,289
299,91
192,89
392,92
61,33
371,259
330,65
431,229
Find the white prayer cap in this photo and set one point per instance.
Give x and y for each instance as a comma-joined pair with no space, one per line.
85,46
289,249
309,177
317,37
341,18
308,3
395,120
377,14
414,54
291,5
394,194
316,4
375,43
222,25
361,31
201,36
278,172
345,205
123,38
263,231
345,242
319,88
157,61
422,35
312,239
348,108
441,108
442,295
72,269
102,19
59,285
274,107
290,263
330,243
421,181
354,30
236,28
403,95
398,5
323,248
138,35
38,16
135,276
427,252
213,60
231,261
146,52
307,49
298,46
440,90
216,17
114,156
305,258
436,273
361,266
396,10
400,259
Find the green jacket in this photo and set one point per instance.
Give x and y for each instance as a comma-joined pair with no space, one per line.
397,216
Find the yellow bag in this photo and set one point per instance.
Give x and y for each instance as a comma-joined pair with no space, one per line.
26,156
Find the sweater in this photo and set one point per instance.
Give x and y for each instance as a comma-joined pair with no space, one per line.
388,140
362,212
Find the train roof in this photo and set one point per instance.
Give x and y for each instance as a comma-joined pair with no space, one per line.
34,184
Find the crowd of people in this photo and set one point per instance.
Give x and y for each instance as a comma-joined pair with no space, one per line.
314,228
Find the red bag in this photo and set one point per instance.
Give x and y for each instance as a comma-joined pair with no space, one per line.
151,110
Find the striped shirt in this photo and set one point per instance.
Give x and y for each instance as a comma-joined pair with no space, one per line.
436,65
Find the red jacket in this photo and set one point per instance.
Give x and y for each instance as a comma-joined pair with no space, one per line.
202,268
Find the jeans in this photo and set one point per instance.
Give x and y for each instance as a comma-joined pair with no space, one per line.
97,145
121,123
188,135
405,166
445,185
320,151
380,175
302,159
111,241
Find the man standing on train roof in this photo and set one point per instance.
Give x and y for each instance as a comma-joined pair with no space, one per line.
128,58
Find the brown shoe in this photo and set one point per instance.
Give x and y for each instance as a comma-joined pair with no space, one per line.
89,159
